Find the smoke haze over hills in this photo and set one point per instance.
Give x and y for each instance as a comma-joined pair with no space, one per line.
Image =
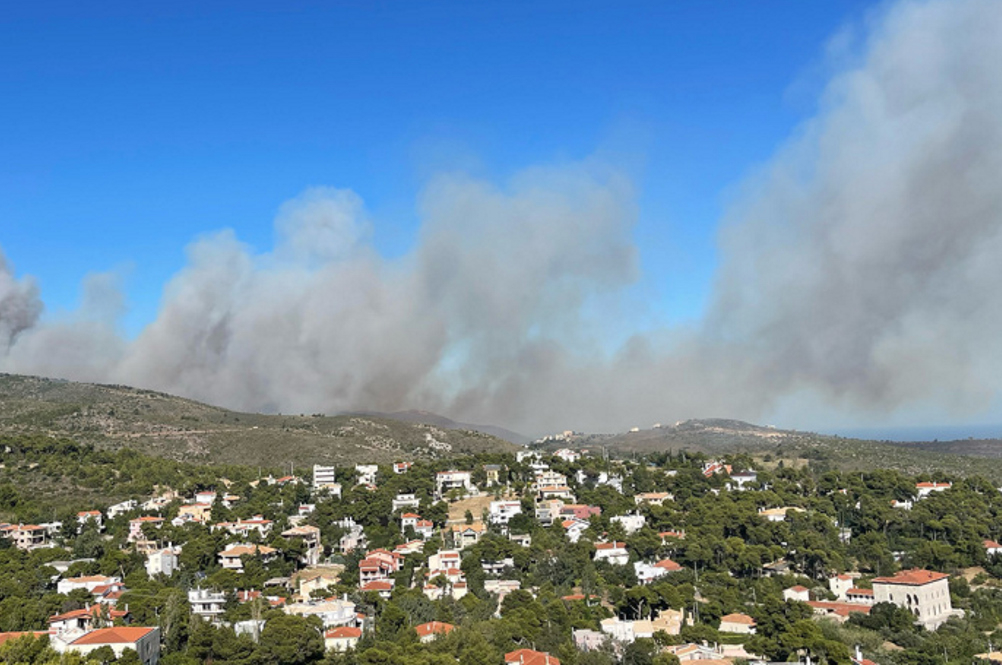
859,275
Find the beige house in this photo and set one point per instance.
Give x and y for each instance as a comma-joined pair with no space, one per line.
310,535
737,623
230,557
317,579
465,535
924,593
342,638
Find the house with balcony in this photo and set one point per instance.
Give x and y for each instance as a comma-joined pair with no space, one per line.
231,557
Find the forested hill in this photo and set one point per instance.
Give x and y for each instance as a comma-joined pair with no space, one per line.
115,416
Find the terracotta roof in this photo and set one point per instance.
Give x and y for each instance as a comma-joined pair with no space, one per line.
859,592
411,515
799,589
933,485
377,585
476,527
92,611
668,565
344,632
610,546
530,657
915,576
240,550
115,635
434,628
841,609
992,545
743,619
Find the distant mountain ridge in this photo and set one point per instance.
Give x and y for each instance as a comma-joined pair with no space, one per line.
721,436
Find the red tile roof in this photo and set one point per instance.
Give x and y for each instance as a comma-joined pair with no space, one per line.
530,657
344,632
915,576
434,628
668,565
743,619
115,635
841,609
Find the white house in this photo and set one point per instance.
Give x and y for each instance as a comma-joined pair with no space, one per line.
207,604
323,480
922,490
797,592
501,512
86,516
144,641
161,562
121,508
401,501
840,585
631,523
88,582
568,455
528,456
859,596
332,613
647,572
575,528
615,553
367,473
445,481
739,480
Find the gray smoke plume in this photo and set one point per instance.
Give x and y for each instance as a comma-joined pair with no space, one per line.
860,273
20,306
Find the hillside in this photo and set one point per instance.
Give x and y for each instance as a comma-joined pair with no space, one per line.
722,437
427,418
177,428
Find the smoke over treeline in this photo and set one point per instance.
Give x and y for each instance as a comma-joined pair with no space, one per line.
860,268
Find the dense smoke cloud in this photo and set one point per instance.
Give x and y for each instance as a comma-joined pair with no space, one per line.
861,267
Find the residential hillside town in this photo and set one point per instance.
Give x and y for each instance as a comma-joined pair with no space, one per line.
538,558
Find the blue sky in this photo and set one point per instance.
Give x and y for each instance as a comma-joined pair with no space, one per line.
131,128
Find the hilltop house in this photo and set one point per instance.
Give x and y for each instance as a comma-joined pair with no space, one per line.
924,593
